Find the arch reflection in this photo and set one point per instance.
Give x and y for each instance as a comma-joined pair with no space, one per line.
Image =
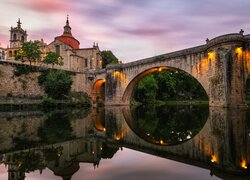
167,125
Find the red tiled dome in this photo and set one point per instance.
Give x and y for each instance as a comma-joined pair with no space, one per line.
70,40
67,37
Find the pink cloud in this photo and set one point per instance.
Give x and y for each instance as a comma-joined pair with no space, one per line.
46,6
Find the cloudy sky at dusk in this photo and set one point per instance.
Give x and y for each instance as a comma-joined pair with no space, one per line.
132,29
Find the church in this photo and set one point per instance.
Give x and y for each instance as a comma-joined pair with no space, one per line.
65,45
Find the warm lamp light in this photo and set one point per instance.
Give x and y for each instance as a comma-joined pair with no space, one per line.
238,50
210,54
213,159
244,164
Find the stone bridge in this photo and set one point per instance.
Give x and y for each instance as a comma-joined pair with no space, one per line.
221,66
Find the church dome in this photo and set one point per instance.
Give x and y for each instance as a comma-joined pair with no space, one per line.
67,37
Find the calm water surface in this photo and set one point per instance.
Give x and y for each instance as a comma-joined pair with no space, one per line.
172,142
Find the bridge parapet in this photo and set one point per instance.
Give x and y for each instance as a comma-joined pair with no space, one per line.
227,38
247,37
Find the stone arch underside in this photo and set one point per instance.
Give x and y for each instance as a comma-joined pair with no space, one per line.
97,92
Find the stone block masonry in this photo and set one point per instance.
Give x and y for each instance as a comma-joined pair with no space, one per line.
26,86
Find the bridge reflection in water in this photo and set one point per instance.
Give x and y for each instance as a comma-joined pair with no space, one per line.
216,139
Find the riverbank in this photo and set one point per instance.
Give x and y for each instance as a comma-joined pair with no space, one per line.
45,102
188,102
174,102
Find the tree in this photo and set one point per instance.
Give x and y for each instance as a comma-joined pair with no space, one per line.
53,58
57,84
29,51
108,58
147,89
171,85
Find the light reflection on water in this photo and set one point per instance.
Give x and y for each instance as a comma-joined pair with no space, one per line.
110,144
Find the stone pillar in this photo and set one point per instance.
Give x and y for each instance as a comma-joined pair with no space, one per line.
113,88
228,138
227,83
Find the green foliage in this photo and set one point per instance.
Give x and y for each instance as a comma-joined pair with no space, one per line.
147,89
53,58
24,69
169,85
43,76
108,58
48,101
21,70
57,84
29,51
79,99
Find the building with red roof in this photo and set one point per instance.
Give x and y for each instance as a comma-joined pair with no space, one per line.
74,57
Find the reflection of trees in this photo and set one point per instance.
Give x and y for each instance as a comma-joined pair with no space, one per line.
54,126
34,159
171,124
149,121
57,128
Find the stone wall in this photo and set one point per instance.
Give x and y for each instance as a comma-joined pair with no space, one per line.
19,86
26,85
79,83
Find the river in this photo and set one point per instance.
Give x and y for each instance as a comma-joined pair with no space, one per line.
170,142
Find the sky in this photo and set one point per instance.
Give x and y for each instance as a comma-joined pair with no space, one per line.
131,29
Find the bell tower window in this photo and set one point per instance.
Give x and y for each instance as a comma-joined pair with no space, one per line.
22,38
14,37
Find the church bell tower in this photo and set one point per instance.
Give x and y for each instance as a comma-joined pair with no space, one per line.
17,35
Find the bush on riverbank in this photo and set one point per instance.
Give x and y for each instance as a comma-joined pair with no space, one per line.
56,83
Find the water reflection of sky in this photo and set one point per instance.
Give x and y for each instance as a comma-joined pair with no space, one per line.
129,164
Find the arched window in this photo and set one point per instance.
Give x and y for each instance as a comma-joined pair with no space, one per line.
15,52
14,36
23,38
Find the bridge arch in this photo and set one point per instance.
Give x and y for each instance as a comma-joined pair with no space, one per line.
129,90
98,92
